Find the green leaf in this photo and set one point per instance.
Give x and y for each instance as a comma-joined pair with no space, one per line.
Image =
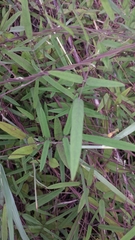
40,42
57,129
43,199
74,230
129,235
127,131
58,86
26,113
88,233
67,76
11,100
107,183
111,43
76,135
35,94
83,200
108,9
61,153
31,140
59,50
12,211
64,185
44,154
94,114
110,142
22,152
82,26
66,146
67,127
17,29
5,19
102,208
12,130
20,61
53,163
59,23
112,228
97,82
31,219
43,121
26,20
4,229
11,20
90,176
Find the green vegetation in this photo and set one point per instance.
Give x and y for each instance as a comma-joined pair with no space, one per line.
67,102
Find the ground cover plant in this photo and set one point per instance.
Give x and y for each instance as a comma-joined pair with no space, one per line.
67,152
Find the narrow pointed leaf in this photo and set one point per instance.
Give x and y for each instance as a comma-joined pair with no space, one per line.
66,146
83,200
109,142
67,76
61,153
44,154
12,212
64,185
107,7
57,129
11,20
67,127
20,61
58,86
4,227
43,121
26,113
76,135
26,19
129,235
102,208
97,82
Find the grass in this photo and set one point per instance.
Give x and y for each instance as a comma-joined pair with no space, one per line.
67,120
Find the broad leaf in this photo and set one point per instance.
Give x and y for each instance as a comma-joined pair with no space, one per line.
12,130
22,152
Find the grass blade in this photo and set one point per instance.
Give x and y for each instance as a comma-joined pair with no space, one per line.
21,61
43,121
63,185
12,211
102,208
76,135
108,9
58,86
57,129
4,227
107,183
26,19
129,235
109,142
67,76
97,82
10,21
44,154
43,199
